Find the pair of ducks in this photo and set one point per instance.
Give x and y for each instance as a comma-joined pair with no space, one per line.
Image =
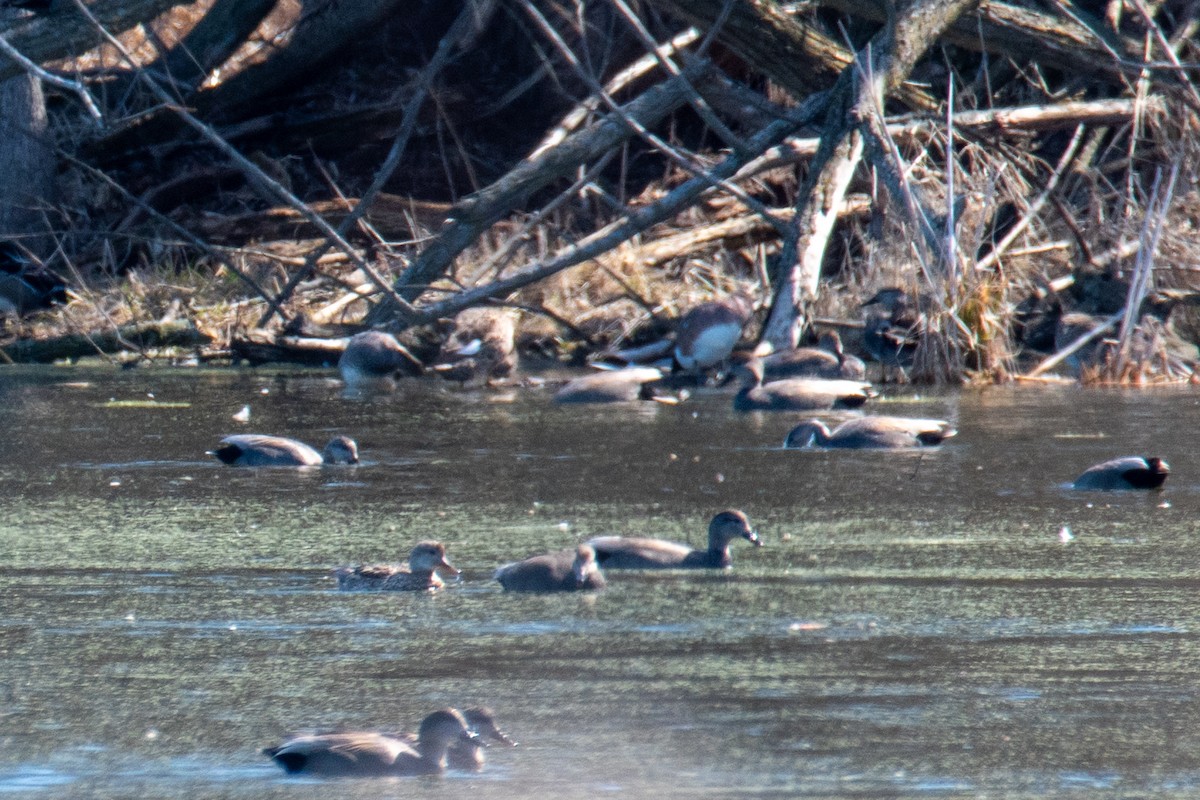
480,348
572,569
1126,472
579,568
446,738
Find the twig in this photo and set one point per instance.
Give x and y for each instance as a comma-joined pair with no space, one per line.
697,102
637,69
671,152
1034,208
79,89
1067,351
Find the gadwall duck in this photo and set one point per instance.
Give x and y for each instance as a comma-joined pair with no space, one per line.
469,755
1129,472
872,432
26,285
612,386
373,359
418,575
707,333
892,326
372,754
826,360
480,348
794,394
627,552
257,450
561,571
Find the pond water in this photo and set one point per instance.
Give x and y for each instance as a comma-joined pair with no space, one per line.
916,624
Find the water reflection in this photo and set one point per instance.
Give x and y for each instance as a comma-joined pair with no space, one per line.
915,624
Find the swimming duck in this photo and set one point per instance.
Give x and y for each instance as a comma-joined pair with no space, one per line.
373,359
257,450
794,394
371,754
707,333
871,432
561,571
418,575
1128,472
613,386
826,360
469,755
480,348
627,552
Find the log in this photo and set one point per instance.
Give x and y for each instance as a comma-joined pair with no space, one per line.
1024,34
262,347
393,216
126,338
800,56
63,31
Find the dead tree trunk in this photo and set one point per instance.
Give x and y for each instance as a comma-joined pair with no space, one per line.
27,165
880,68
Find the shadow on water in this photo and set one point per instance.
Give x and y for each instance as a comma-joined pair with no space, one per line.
917,623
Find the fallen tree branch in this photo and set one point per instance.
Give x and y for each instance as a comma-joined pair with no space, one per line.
127,337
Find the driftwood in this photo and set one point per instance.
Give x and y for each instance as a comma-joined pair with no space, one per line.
261,347
135,338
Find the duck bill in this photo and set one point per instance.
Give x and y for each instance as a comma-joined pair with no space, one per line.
447,567
753,538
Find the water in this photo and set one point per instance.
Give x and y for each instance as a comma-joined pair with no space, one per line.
915,626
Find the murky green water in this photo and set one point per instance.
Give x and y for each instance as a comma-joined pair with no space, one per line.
914,626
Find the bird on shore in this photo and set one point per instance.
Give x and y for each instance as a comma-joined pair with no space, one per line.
258,450
893,324
373,359
707,333
373,754
611,386
481,347
419,574
630,552
560,571
826,360
26,285
1127,472
481,721
872,432
794,394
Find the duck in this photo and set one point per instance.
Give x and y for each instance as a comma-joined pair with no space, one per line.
707,333
27,285
259,450
480,348
892,327
827,360
481,721
1127,472
872,432
373,754
567,570
794,394
373,359
627,552
420,574
612,386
